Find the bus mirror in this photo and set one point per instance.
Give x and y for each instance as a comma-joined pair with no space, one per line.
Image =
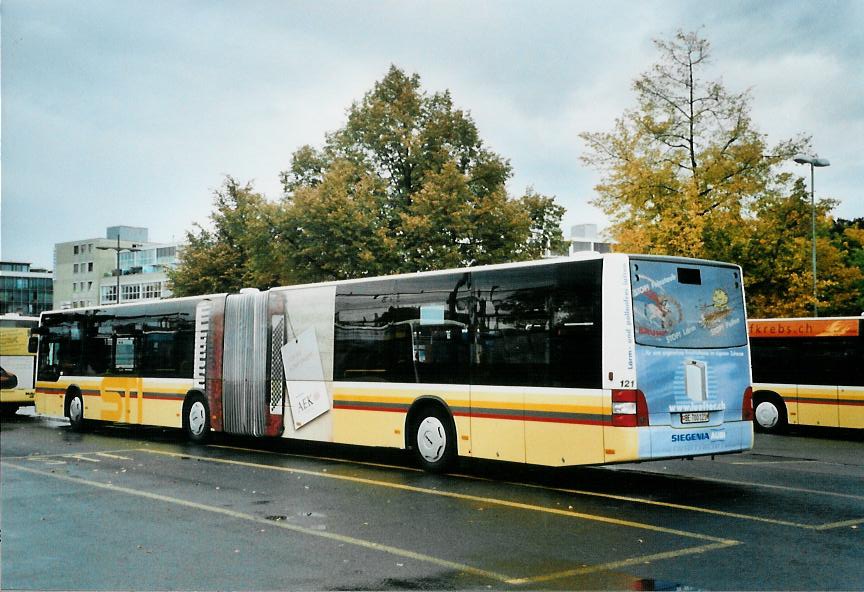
33,344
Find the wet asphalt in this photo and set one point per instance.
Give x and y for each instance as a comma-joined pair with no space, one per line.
127,508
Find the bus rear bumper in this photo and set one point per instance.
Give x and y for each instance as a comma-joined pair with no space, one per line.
666,441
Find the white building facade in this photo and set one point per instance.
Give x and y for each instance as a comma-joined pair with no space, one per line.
88,272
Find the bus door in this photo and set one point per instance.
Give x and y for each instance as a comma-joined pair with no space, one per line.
246,366
691,355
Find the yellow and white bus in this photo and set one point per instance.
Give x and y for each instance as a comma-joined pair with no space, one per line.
589,360
17,364
808,371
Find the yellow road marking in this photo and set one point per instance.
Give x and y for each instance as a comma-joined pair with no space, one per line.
316,457
674,506
832,525
277,524
783,488
64,455
776,462
108,455
450,494
625,498
579,571
464,568
79,457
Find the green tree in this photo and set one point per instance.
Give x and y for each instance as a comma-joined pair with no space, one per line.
239,250
848,237
687,173
406,185
775,253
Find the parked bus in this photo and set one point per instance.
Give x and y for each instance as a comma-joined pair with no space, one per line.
600,359
17,364
808,372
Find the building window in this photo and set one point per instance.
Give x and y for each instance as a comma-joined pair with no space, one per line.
131,292
152,290
90,248
75,268
90,266
89,285
75,250
108,295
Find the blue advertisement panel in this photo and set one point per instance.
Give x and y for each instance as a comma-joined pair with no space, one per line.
691,356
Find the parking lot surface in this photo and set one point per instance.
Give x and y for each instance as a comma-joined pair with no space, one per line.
132,508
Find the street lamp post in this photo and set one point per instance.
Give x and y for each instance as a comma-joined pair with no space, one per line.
118,249
813,162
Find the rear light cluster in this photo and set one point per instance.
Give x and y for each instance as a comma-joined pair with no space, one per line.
629,409
747,405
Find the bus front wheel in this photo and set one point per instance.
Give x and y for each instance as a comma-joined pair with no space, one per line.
433,439
196,419
76,412
769,414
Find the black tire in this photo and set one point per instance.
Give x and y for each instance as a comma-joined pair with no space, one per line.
8,409
769,413
196,419
75,412
433,439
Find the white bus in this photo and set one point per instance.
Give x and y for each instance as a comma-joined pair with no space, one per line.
597,359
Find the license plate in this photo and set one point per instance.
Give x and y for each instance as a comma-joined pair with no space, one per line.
696,417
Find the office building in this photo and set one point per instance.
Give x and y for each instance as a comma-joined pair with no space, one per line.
25,290
90,272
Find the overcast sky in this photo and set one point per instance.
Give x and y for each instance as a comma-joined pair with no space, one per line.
132,112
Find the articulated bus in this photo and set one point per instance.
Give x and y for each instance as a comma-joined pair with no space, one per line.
17,363
589,360
808,372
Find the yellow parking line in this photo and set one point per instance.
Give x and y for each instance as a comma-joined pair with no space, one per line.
674,506
783,488
316,457
280,524
116,456
80,457
588,569
625,498
64,455
451,494
832,525
776,462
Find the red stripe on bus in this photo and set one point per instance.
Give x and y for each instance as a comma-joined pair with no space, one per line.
598,422
370,408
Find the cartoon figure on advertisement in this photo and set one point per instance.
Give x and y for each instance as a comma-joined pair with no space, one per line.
713,314
659,315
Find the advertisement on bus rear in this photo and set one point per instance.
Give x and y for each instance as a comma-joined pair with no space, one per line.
691,355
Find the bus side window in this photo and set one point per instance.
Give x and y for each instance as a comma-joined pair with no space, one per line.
436,313
367,343
775,361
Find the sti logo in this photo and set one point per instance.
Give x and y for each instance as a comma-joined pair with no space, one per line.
690,437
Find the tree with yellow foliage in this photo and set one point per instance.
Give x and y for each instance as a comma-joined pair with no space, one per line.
686,173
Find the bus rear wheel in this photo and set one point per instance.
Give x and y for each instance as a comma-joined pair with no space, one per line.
433,439
196,419
769,414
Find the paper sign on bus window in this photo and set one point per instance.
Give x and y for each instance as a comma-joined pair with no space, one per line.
304,378
432,314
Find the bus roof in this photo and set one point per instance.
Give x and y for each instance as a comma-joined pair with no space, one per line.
584,256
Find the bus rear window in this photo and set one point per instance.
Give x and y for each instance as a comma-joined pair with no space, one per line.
687,306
